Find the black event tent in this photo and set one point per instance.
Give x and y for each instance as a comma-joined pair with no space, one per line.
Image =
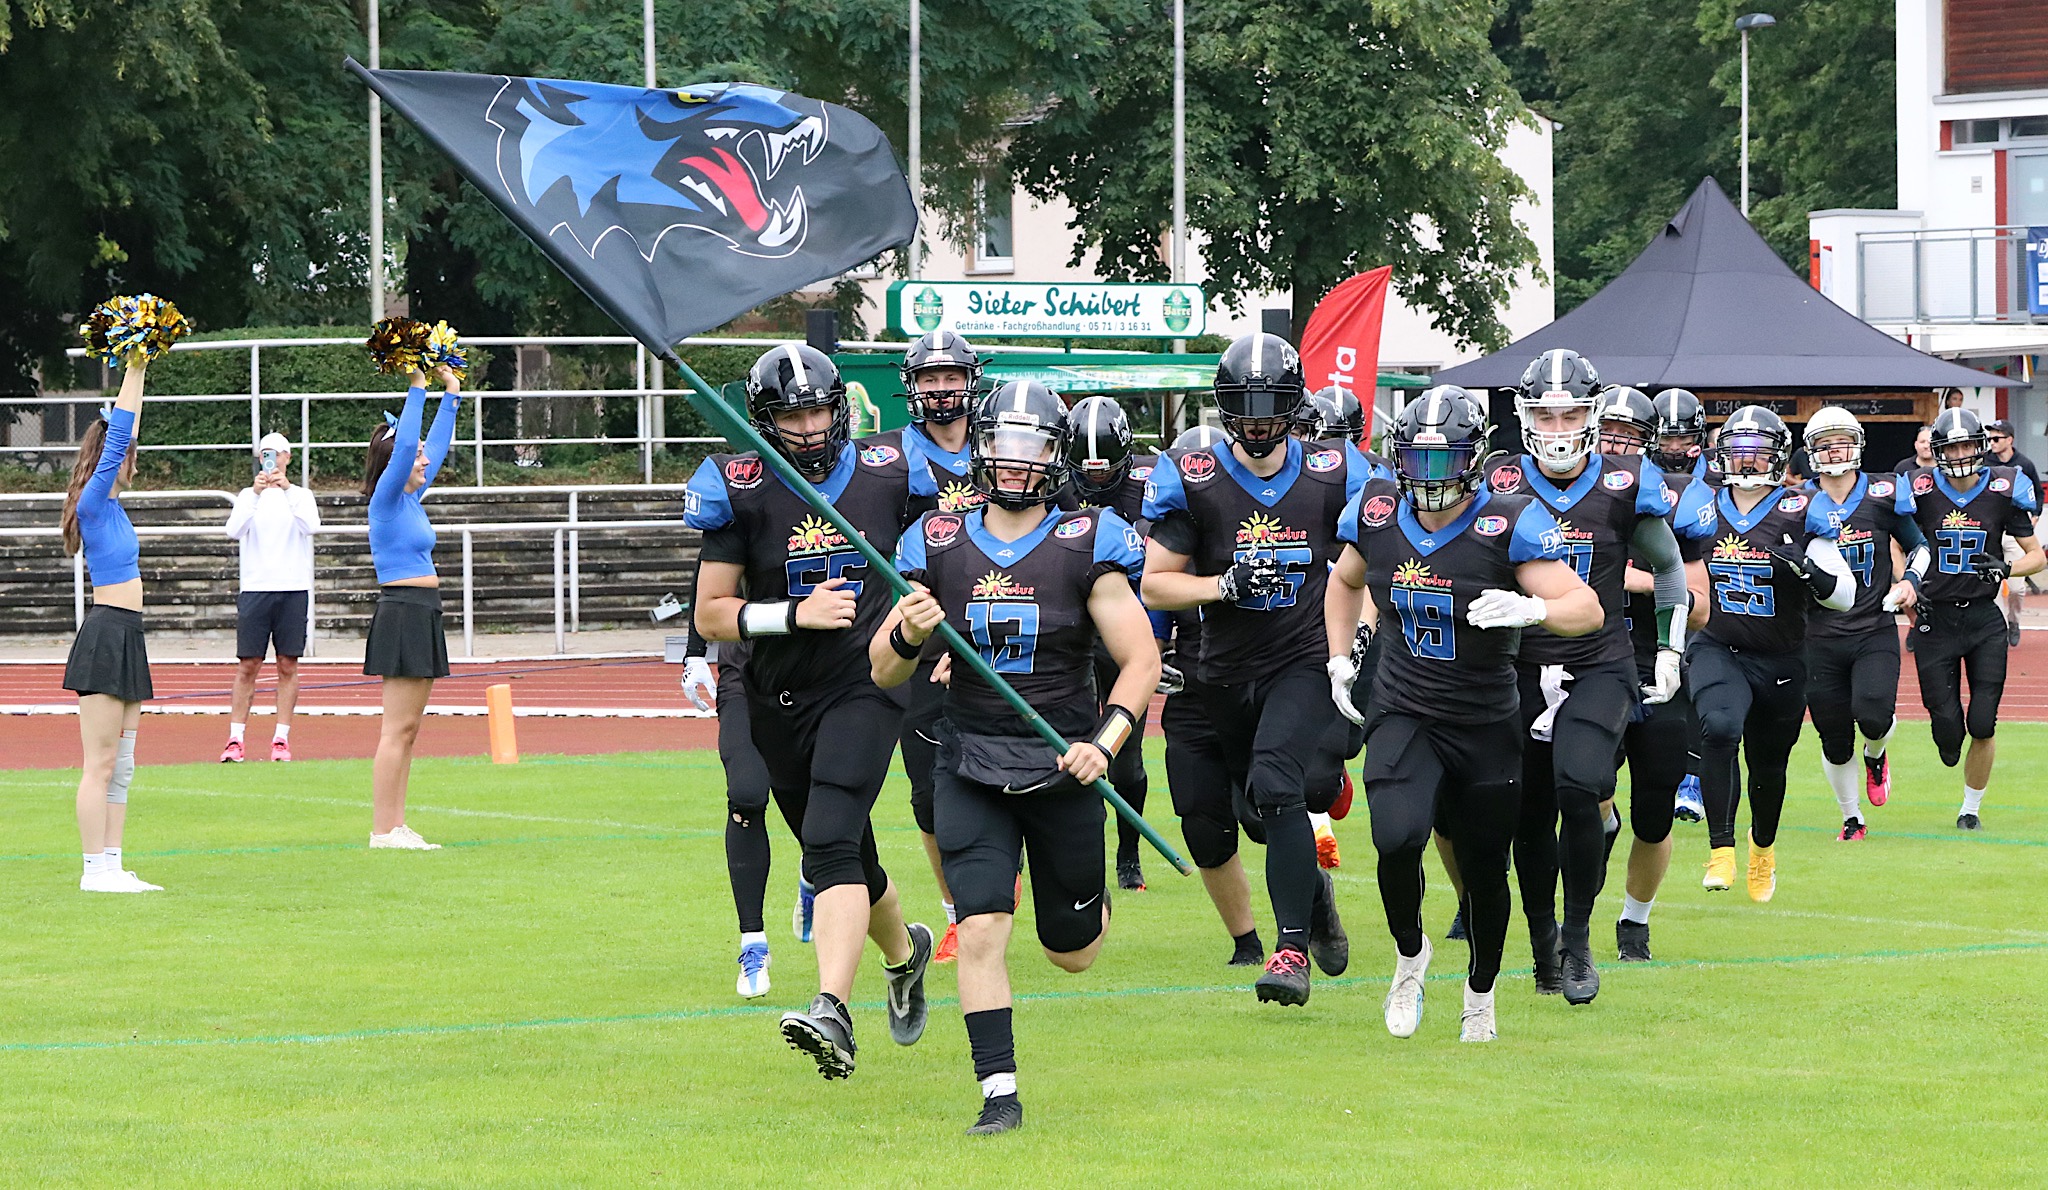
1709,306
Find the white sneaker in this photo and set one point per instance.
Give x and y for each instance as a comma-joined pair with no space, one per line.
1476,1024
115,882
753,981
403,838
138,884
1404,999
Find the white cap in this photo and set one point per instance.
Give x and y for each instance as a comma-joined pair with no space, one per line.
274,441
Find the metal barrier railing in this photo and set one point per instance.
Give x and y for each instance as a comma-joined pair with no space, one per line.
1958,275
566,565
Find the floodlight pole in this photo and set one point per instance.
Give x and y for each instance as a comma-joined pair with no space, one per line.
376,178
1743,24
1177,253
647,40
916,129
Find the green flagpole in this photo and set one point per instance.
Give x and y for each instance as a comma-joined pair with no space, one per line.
741,433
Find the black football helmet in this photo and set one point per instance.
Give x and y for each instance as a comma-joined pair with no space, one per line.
1751,435
1318,419
1959,428
1560,379
793,377
1350,413
1627,420
1098,446
1199,438
940,349
1258,388
1020,427
1679,415
1438,441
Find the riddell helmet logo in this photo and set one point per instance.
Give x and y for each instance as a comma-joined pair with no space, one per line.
814,536
744,473
997,585
1260,529
1198,465
1377,511
941,530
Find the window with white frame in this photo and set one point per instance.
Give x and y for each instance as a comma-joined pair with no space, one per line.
994,251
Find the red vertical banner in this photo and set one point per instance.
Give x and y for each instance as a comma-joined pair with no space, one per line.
1341,345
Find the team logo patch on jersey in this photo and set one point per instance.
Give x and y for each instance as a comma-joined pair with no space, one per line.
1074,528
1198,466
1881,489
997,585
1260,529
1141,474
941,530
1958,519
2001,485
959,497
745,473
1792,504
1505,478
814,536
1490,526
1923,484
1376,511
879,456
1325,460
1615,481
1733,548
1416,576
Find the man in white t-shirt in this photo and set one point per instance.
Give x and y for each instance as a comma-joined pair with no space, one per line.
274,520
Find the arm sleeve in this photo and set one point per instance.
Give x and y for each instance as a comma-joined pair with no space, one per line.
1906,531
113,452
706,505
441,436
1657,546
405,437
1536,537
244,511
1827,559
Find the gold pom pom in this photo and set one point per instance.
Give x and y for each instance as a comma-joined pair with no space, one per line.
443,347
141,327
395,345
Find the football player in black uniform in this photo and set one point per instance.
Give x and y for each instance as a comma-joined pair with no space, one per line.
1247,535
941,378
1746,671
1681,433
1964,505
1106,473
1661,743
1852,657
775,573
1579,693
1033,589
1455,573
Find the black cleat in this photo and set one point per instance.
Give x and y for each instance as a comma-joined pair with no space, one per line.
1581,979
1250,951
1327,942
825,1033
1129,875
1543,955
1632,941
999,1113
1968,822
1457,933
1286,980
907,1011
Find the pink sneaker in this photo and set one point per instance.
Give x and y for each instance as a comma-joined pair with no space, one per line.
1877,779
232,754
279,750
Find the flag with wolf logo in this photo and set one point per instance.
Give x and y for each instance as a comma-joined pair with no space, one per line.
675,210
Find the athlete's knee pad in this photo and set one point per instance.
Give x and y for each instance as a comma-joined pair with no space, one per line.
1649,817
1210,843
1067,929
1873,727
921,809
124,771
1982,720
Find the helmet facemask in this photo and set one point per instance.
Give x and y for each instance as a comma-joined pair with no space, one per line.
1740,453
814,453
1844,443
1017,464
1557,450
1436,476
1258,419
943,404
1961,457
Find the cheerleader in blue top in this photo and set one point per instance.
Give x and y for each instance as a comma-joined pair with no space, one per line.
407,647
109,665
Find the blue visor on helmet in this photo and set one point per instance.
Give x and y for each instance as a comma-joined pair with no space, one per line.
1434,463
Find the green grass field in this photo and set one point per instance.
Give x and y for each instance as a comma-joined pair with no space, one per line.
549,1002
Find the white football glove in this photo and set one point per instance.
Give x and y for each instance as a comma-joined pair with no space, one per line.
699,685
1665,685
1342,674
1496,608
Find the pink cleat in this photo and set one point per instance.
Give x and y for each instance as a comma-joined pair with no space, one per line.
232,754
1877,779
280,750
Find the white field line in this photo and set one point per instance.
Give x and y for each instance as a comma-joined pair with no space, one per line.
356,803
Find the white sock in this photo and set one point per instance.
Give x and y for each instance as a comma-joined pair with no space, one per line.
1613,824
1318,821
1844,780
1875,748
283,732
235,731
1003,1082
951,914
95,862
1972,798
1634,910
113,859
748,939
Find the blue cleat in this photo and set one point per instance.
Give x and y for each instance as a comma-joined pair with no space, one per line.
806,904
1689,807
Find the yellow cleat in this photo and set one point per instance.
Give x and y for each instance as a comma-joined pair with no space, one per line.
1763,872
1327,855
1720,875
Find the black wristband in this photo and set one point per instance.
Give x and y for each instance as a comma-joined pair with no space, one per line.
1117,726
903,647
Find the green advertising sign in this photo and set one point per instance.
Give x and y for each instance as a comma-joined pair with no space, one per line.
1048,309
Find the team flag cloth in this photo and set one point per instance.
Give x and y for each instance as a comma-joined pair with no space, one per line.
674,210
1341,344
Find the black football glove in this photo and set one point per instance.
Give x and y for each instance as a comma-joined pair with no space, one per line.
1361,642
1171,680
1990,569
1254,578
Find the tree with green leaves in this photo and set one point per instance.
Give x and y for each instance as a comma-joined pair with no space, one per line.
1324,137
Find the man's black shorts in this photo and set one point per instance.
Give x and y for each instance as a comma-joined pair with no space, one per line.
266,617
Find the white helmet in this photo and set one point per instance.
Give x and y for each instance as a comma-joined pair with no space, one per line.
1834,420
1558,379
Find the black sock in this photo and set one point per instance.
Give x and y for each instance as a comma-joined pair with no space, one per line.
1127,836
991,1042
1248,946
746,866
1291,876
